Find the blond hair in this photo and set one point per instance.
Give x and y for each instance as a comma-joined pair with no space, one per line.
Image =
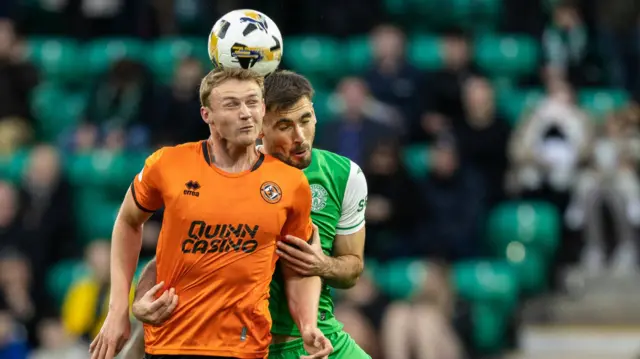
218,76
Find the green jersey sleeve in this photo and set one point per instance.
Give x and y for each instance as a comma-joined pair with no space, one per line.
354,202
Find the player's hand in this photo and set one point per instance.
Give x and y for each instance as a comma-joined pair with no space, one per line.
112,337
302,257
316,344
150,310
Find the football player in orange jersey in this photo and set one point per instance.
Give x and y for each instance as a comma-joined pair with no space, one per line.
226,205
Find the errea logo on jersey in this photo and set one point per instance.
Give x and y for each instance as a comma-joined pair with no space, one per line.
271,192
192,188
318,197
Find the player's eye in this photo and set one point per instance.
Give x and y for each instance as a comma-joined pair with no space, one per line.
231,104
253,102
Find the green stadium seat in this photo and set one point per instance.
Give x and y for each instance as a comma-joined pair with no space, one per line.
102,169
487,281
13,166
492,288
511,55
400,279
166,54
96,221
358,53
424,51
600,102
62,275
313,55
416,158
59,59
489,327
513,103
56,109
535,224
100,54
530,266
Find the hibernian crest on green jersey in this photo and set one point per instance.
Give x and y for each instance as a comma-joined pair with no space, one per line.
318,197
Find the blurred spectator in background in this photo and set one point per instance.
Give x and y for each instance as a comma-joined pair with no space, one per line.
177,119
483,137
97,18
12,342
56,343
47,212
619,40
453,194
359,127
608,191
11,229
567,49
360,309
546,152
422,327
18,293
392,207
442,91
87,301
392,79
117,105
17,79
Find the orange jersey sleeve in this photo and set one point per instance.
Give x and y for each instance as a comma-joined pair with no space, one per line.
298,222
146,188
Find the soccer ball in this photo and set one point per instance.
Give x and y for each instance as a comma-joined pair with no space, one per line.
248,39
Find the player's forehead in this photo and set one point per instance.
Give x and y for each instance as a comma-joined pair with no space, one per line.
236,89
301,108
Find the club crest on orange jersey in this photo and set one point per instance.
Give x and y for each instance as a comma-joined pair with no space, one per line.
271,192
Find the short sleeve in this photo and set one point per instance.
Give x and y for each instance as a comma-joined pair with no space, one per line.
298,222
354,202
145,188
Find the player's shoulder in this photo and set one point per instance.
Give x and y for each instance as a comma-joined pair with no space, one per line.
175,154
338,167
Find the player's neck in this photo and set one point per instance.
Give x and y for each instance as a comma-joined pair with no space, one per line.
231,158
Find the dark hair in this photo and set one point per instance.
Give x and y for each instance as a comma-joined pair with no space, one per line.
282,89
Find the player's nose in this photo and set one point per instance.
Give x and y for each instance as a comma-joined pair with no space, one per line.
245,112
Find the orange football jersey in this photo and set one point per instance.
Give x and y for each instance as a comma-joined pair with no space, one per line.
217,247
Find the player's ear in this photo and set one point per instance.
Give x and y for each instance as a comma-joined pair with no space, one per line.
205,113
261,134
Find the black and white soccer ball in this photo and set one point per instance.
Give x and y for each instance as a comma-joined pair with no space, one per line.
248,39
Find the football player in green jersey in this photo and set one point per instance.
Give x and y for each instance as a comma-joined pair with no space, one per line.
339,191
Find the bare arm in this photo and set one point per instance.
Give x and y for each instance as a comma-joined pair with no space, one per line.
125,249
303,296
147,279
346,264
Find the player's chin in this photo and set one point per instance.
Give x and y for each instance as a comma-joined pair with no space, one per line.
301,160
246,138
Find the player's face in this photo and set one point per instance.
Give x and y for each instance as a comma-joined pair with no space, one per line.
288,134
235,112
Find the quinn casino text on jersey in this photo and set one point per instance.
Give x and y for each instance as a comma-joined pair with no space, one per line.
220,238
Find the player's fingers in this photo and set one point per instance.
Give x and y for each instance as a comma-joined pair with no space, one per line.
152,292
110,353
302,244
294,252
173,304
166,312
94,348
162,301
292,262
102,349
95,342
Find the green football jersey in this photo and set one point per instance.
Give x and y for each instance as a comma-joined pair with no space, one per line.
339,196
